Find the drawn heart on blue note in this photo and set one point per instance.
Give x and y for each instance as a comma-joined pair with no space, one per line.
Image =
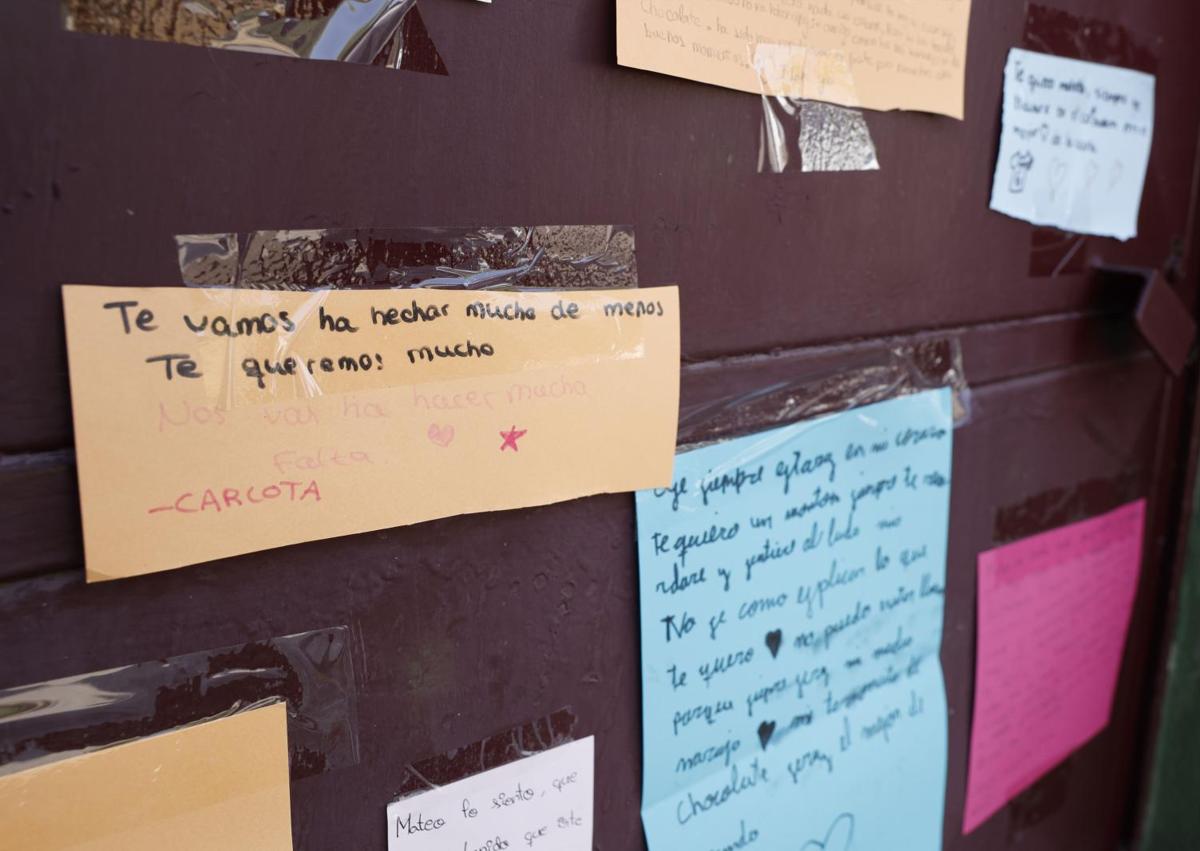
774,638
838,838
765,731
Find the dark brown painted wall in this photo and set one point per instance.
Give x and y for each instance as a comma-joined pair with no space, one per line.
473,624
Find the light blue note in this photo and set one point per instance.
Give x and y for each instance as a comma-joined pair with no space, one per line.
791,607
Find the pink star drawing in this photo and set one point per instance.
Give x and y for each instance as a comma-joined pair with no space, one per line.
511,437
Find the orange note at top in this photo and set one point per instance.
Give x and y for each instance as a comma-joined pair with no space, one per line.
210,423
883,54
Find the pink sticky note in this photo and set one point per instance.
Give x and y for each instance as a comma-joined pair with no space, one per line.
1053,613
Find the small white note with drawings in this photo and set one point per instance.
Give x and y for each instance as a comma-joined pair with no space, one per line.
1074,144
540,802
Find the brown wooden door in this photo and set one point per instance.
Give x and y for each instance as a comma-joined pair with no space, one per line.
466,626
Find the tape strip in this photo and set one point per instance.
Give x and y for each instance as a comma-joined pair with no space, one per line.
311,671
834,138
388,33
1062,33
1044,798
861,378
524,740
796,84
1059,507
801,72
522,257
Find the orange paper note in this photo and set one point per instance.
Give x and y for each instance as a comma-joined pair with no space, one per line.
210,423
220,784
885,54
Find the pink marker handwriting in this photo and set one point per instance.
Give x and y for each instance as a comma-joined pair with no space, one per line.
217,500
324,457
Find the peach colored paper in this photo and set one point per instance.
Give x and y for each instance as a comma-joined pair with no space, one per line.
881,54
220,784
285,425
1053,613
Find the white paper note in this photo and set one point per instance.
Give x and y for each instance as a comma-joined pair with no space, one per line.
1074,144
540,802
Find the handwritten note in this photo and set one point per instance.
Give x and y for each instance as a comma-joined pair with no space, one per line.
220,784
540,802
885,54
215,422
1053,613
1074,144
791,608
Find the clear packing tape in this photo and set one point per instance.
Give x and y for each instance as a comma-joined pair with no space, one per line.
388,33
522,741
794,80
522,257
311,671
716,406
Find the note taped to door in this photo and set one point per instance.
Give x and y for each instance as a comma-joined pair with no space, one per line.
541,801
1074,144
220,784
890,54
792,585
210,423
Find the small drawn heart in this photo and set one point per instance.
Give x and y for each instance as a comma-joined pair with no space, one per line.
765,731
774,638
1114,176
838,838
442,435
1089,172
